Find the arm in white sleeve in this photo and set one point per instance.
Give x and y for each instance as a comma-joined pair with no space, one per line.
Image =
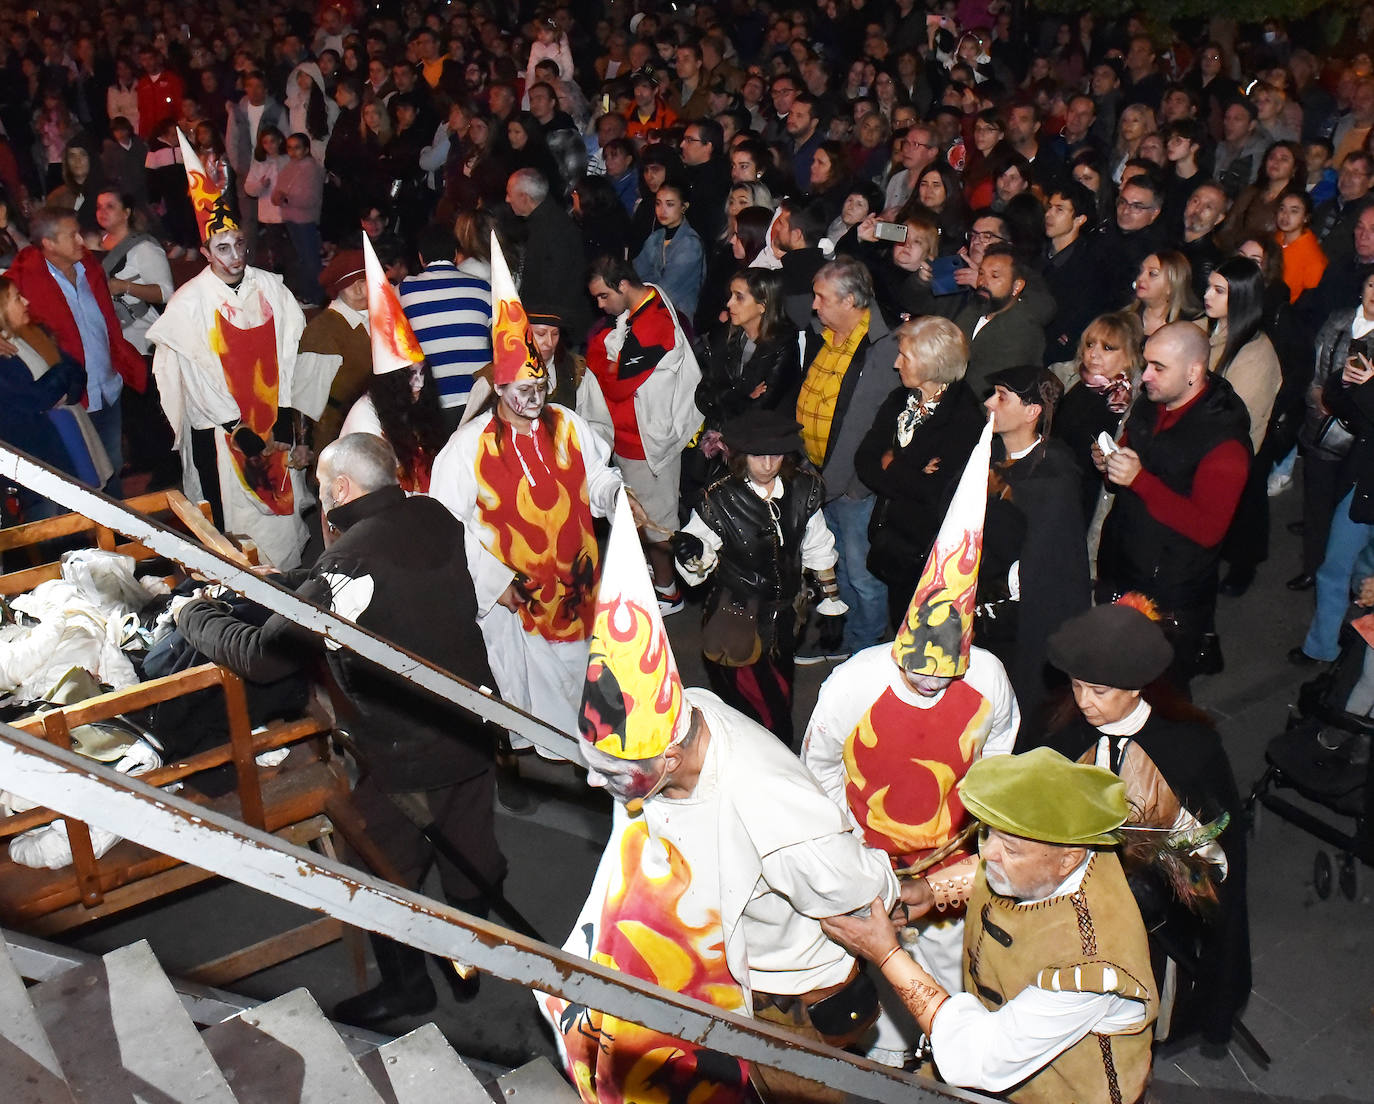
603,480
977,1048
167,370
990,679
710,541
823,747
818,544
830,875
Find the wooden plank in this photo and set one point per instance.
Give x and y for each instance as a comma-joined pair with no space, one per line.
66,525
286,1052
121,1034
268,952
156,878
167,823
241,751
421,1068
200,527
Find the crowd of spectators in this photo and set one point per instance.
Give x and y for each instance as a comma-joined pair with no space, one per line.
1149,245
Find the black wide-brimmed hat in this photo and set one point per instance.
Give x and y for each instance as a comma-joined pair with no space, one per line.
763,433
1113,645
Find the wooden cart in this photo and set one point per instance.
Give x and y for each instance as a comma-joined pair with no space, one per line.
288,800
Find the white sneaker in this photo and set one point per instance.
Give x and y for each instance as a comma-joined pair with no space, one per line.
669,602
1278,484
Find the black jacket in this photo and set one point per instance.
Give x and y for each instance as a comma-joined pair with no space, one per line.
1073,278
728,381
555,266
1141,553
912,501
398,569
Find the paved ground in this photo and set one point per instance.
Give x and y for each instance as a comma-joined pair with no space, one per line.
1314,959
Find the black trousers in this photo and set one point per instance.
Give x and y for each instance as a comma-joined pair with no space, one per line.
463,815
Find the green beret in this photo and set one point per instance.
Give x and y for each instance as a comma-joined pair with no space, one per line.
1111,645
1043,796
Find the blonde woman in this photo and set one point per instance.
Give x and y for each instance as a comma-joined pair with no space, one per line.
1164,292
1135,123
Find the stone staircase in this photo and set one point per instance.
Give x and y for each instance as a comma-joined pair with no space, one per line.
114,1030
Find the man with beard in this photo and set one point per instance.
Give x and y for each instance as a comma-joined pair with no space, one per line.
1059,1000
525,479
226,369
1001,330
1202,214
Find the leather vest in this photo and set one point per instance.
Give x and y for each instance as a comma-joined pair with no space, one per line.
760,559
1140,553
1089,941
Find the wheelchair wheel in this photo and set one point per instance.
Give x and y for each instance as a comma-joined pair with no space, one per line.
1322,875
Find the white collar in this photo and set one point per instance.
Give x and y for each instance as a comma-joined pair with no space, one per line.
349,315
1068,885
1131,723
1025,451
777,491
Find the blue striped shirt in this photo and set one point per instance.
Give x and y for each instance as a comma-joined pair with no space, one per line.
449,308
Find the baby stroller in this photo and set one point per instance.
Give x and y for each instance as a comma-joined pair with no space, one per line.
1323,757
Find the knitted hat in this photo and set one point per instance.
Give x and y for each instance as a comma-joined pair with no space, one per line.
1043,796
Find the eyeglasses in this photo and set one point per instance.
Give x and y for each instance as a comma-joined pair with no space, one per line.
986,236
922,145
694,138
1128,205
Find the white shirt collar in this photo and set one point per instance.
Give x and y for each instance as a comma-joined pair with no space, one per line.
349,315
1131,723
1025,451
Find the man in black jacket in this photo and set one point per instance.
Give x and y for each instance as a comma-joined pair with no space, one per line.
396,566
554,260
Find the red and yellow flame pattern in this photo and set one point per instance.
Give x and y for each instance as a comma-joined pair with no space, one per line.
513,354
248,358
901,767
212,213
642,932
394,345
630,656
938,628
541,530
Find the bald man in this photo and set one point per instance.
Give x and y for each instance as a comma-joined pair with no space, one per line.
1177,475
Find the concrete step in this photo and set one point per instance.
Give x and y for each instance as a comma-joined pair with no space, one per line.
121,1035
421,1068
286,1052
535,1082
29,1070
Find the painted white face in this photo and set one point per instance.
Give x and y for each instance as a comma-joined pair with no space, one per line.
525,398
228,255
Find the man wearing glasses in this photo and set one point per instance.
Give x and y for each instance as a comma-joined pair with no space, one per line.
1137,232
783,92
919,149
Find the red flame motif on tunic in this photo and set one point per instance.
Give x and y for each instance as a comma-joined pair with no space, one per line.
642,932
901,766
249,360
542,530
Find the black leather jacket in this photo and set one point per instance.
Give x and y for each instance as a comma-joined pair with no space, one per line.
728,381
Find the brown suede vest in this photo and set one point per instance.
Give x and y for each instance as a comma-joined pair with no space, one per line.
1091,941
329,333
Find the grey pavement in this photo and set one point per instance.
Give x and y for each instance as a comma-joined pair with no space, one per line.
1313,1002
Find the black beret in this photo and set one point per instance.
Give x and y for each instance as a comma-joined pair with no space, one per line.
1112,645
763,433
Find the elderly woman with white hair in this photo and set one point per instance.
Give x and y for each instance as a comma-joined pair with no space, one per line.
911,458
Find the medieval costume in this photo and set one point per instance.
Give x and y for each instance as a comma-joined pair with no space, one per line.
526,501
889,753
753,540
1186,816
1058,1002
225,364
337,343
734,876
